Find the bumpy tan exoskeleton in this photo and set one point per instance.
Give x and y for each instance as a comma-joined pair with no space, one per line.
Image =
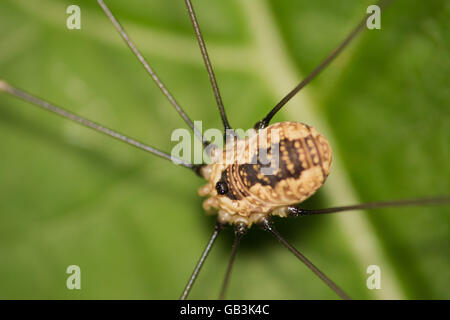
261,175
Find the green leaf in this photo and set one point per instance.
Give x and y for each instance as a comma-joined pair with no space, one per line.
134,223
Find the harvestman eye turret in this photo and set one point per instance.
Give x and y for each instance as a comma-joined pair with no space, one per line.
238,190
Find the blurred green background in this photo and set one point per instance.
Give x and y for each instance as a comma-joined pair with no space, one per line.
135,225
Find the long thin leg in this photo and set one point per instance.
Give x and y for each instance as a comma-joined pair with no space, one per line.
147,67
266,120
266,225
208,65
5,87
219,227
239,231
294,211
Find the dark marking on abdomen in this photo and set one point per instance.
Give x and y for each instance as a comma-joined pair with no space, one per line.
290,166
289,158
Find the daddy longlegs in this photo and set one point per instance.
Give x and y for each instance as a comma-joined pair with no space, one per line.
8,88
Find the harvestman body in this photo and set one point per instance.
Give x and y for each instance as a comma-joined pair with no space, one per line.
242,193
238,188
